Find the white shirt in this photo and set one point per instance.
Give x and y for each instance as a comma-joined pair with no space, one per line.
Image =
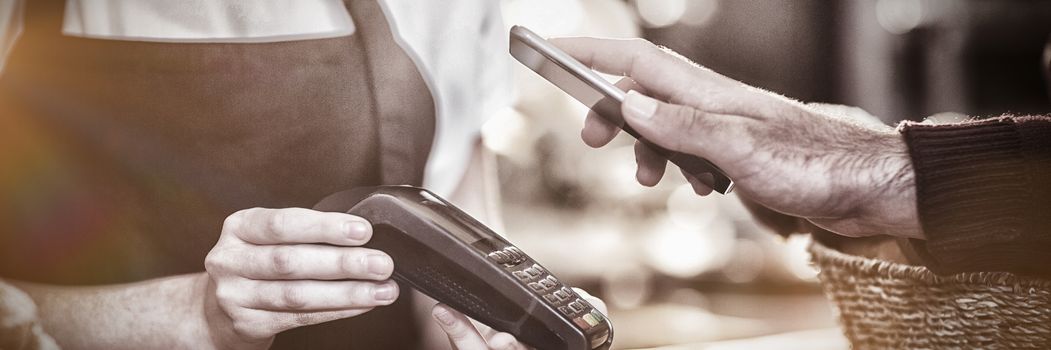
458,45
207,20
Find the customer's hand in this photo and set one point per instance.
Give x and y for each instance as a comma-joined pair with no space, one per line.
465,335
849,178
278,269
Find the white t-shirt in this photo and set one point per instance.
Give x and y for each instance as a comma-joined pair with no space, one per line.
458,45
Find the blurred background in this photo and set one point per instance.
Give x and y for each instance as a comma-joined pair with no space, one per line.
682,271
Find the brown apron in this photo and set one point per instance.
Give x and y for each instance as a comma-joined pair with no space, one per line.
119,160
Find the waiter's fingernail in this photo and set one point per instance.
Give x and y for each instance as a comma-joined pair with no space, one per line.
639,106
357,230
386,292
379,264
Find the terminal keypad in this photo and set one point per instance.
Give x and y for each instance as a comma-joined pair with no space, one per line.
565,300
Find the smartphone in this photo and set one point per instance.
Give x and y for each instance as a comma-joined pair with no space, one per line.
602,97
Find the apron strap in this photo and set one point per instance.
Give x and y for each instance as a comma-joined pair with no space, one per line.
402,98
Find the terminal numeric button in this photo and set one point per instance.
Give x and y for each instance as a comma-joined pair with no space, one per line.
521,275
517,257
565,310
536,286
577,306
549,282
500,257
562,294
550,298
535,271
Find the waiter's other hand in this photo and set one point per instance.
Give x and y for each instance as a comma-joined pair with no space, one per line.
465,335
277,269
849,178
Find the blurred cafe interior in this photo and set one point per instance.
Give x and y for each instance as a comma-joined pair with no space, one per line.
682,271
676,270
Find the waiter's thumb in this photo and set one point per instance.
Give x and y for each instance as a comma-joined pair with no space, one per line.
668,125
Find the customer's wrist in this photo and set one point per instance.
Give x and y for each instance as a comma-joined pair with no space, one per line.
888,204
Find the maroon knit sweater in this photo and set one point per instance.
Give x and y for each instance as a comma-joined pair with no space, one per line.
984,194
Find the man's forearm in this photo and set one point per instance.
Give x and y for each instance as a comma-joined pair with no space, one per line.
163,313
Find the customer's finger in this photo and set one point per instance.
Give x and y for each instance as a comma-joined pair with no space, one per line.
298,225
677,127
670,77
660,72
651,165
702,184
597,130
600,130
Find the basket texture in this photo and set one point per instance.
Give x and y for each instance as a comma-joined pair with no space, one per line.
884,305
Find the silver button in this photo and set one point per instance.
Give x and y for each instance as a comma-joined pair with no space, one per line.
577,306
499,257
561,295
521,275
535,271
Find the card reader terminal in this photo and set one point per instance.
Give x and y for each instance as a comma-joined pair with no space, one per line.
448,255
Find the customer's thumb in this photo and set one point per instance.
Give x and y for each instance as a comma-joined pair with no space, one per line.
668,125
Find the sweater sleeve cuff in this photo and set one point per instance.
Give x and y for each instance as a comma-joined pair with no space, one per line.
975,196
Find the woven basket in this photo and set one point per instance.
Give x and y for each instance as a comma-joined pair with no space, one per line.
884,305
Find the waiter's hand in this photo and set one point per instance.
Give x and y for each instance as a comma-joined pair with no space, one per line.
464,335
278,269
852,179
